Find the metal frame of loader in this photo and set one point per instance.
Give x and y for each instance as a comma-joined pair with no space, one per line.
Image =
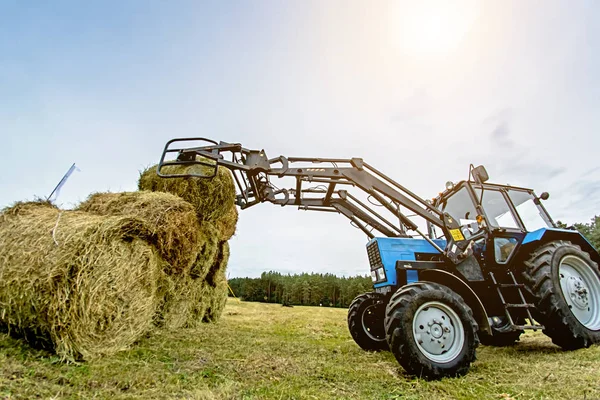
496,300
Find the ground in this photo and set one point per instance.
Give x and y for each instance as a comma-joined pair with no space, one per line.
266,351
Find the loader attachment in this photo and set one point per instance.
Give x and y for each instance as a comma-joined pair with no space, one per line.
174,154
371,200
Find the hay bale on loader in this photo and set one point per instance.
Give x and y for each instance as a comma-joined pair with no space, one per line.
85,284
212,198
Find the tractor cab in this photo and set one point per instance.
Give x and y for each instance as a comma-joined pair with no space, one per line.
505,213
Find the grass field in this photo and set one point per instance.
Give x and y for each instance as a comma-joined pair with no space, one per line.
265,351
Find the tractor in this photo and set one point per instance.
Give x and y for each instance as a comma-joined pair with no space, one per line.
485,262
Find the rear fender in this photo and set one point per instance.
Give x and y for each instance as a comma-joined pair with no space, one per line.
544,235
459,286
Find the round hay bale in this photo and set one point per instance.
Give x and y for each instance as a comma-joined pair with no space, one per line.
211,198
227,223
85,283
172,221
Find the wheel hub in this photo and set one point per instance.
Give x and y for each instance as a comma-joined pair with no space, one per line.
435,333
372,324
578,292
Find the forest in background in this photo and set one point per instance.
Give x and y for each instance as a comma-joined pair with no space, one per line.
329,290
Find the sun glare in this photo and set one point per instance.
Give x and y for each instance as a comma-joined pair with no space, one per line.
432,27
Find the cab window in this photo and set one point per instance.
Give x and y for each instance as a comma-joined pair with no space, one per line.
530,213
460,206
497,210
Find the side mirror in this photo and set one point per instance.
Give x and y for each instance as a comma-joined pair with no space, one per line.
479,174
545,196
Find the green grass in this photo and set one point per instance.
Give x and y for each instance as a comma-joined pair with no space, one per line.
265,351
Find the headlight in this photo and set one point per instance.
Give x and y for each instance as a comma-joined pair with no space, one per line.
381,274
373,276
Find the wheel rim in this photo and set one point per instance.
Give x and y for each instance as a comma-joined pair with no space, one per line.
438,332
372,325
580,287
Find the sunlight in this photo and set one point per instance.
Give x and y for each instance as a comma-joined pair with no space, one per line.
432,27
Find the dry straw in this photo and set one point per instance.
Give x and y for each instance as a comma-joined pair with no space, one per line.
173,223
201,294
227,223
84,283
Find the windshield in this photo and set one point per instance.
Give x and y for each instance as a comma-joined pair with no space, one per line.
530,213
460,206
497,210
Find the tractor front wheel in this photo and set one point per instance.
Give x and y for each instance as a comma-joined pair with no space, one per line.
431,330
565,283
365,321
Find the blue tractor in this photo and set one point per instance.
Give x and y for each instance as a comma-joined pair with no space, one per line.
486,262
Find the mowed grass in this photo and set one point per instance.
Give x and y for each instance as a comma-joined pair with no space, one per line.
266,351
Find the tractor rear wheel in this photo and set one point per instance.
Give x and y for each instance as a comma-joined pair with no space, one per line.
431,330
565,284
365,321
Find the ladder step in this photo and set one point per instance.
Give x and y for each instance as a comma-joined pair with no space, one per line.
511,285
525,305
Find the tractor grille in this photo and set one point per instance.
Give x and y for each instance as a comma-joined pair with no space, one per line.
374,256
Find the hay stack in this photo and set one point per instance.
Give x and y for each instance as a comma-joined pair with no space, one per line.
212,198
84,283
92,281
201,296
197,292
173,223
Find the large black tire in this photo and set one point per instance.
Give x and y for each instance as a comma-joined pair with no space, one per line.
365,321
431,330
565,283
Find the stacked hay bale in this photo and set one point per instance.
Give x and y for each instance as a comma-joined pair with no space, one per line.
92,281
195,287
82,284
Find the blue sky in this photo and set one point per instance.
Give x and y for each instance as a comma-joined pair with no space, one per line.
419,93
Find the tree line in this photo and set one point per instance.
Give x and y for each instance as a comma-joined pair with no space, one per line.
330,290
301,289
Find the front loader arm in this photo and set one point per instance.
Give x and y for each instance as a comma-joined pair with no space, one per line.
334,178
